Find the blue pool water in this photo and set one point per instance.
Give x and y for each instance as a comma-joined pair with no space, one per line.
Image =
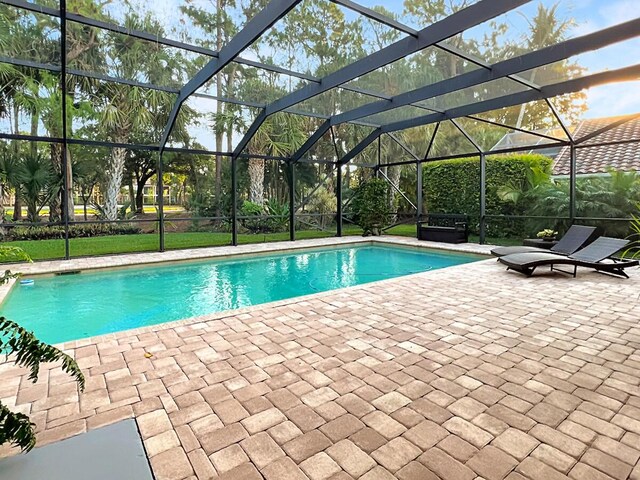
70,307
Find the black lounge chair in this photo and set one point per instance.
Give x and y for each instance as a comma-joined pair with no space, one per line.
576,237
592,256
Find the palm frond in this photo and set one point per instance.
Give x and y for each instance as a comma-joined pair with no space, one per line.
17,429
30,352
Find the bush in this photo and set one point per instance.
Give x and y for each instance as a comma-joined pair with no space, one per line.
279,213
370,206
324,203
453,186
75,231
22,347
273,217
249,210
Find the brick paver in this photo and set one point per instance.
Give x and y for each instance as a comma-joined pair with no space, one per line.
462,373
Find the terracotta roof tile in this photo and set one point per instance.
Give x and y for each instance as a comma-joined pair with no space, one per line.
598,159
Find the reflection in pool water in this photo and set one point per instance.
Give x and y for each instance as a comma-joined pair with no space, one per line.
76,306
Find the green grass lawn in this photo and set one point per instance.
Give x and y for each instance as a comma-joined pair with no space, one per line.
148,242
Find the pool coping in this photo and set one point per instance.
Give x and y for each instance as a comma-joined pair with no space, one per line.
144,259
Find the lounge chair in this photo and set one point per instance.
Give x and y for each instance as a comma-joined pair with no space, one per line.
576,237
592,256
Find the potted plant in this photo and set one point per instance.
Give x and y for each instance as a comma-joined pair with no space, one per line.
548,234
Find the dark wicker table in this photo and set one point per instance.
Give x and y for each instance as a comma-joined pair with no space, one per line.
539,242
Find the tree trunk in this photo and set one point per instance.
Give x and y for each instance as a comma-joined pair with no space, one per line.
71,207
132,195
33,148
85,195
140,198
218,189
183,203
17,207
17,204
220,110
329,183
256,180
347,176
365,174
32,212
114,181
55,204
2,195
394,178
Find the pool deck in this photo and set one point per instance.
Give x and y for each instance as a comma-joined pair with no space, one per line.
463,373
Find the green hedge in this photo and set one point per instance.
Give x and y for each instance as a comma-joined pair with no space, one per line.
75,231
453,186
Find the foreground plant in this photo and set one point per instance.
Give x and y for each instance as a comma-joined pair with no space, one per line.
633,250
25,350
13,254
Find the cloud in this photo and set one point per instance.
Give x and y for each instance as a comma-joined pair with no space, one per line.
618,12
614,99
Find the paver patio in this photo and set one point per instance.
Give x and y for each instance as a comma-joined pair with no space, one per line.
462,373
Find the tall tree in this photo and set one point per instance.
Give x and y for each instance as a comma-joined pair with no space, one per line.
215,19
122,110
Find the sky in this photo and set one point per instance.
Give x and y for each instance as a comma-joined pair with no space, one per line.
589,16
592,15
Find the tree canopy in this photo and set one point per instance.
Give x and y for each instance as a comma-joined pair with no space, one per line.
120,89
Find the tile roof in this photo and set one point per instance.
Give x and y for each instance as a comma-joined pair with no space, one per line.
598,159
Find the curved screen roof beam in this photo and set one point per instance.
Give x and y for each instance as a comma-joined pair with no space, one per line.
263,20
528,61
561,88
506,68
452,25
626,74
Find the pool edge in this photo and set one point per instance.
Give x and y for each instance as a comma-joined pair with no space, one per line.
191,321
102,262
243,251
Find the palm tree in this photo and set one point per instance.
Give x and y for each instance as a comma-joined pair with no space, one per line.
9,176
124,110
37,184
280,136
546,29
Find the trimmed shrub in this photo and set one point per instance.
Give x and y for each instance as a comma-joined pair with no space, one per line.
453,186
370,206
273,217
75,231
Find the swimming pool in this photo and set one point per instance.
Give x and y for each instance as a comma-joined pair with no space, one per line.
69,307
